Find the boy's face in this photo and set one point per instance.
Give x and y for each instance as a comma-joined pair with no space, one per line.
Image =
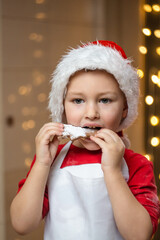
94,99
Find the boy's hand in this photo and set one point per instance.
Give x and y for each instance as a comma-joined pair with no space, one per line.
47,142
112,149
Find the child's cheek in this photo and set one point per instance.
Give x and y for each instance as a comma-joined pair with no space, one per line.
72,117
112,120
73,113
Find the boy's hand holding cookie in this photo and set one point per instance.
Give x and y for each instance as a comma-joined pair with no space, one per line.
47,142
112,149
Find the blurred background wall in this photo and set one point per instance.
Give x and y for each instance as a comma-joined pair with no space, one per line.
34,34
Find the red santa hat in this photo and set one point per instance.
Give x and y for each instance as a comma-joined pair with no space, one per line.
102,55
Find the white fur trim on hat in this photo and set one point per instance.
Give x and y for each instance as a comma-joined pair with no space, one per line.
92,57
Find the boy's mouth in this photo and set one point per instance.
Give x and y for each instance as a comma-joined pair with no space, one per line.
92,128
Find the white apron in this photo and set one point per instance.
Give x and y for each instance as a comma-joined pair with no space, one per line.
79,205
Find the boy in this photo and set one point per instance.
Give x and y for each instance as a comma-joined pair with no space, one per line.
96,189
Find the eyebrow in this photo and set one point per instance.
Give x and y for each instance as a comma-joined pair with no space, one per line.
75,93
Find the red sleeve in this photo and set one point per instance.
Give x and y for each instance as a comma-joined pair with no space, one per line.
45,201
142,184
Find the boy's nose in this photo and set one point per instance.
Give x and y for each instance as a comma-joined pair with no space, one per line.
92,111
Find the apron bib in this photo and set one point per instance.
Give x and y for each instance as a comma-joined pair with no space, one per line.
79,205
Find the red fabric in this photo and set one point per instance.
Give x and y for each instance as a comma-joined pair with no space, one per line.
78,157
141,178
142,184
112,45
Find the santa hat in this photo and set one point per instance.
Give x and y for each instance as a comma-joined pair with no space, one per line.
102,55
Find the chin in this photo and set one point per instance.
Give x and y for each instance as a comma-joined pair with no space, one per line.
89,145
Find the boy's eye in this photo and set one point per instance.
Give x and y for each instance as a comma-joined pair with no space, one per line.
105,100
78,101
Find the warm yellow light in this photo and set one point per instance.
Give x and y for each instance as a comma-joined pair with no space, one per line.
147,8
157,33
155,141
149,100
158,50
28,162
41,15
25,90
31,124
33,36
42,97
40,1
38,53
154,120
143,49
26,125
39,38
36,37
22,90
148,156
38,78
158,84
156,7
140,73
146,31
155,79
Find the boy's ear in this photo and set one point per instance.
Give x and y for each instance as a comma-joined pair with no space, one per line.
125,112
125,109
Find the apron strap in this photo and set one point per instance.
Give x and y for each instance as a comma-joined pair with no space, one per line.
59,159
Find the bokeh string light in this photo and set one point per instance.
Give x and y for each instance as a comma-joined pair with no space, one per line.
150,52
29,94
